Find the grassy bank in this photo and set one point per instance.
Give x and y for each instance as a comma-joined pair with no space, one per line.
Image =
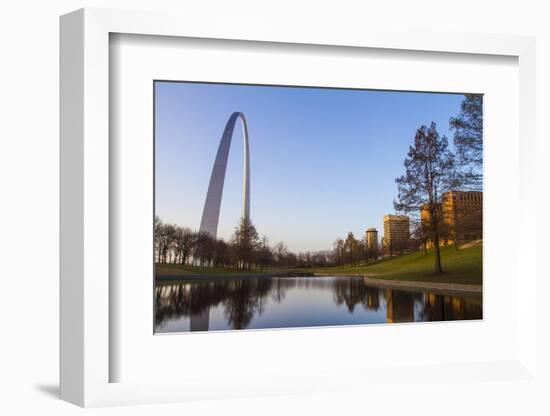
184,270
460,266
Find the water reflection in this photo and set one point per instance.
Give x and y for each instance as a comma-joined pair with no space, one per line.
297,302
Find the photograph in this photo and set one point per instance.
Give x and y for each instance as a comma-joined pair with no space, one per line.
302,206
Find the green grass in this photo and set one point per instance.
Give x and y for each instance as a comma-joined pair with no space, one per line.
462,266
184,270
459,266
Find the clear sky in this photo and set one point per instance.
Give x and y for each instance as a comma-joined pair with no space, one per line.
323,162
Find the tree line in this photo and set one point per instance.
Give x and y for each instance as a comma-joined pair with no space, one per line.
354,252
245,250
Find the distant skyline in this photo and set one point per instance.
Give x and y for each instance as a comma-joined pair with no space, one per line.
322,161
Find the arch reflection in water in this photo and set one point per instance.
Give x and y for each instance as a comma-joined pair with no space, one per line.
198,305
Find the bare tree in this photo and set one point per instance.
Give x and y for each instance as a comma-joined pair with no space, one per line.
165,242
204,248
468,140
183,240
222,254
158,238
429,172
265,255
339,251
351,248
245,242
280,252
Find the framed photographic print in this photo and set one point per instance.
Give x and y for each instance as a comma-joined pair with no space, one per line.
307,154
321,200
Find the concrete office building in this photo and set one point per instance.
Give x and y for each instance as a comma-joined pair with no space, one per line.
461,216
397,234
371,237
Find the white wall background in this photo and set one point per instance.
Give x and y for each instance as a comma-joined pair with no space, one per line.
29,199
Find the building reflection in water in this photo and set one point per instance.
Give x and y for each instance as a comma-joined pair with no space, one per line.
399,306
241,300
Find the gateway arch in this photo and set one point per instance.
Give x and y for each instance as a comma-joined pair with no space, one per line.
211,212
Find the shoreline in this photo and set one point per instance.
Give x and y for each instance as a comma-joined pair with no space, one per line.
169,277
422,286
436,287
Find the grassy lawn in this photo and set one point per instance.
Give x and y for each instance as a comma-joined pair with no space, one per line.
462,266
184,270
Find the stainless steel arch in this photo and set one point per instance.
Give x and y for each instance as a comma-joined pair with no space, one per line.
211,212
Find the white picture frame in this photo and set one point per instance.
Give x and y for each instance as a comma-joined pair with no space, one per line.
85,353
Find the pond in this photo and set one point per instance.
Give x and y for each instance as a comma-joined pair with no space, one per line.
285,302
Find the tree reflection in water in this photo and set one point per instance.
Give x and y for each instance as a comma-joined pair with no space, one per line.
243,299
352,291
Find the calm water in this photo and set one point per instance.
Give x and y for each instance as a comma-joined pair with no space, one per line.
284,302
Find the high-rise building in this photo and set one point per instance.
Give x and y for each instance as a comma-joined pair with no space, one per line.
399,306
371,237
397,233
461,214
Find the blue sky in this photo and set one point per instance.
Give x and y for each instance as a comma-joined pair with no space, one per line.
323,161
